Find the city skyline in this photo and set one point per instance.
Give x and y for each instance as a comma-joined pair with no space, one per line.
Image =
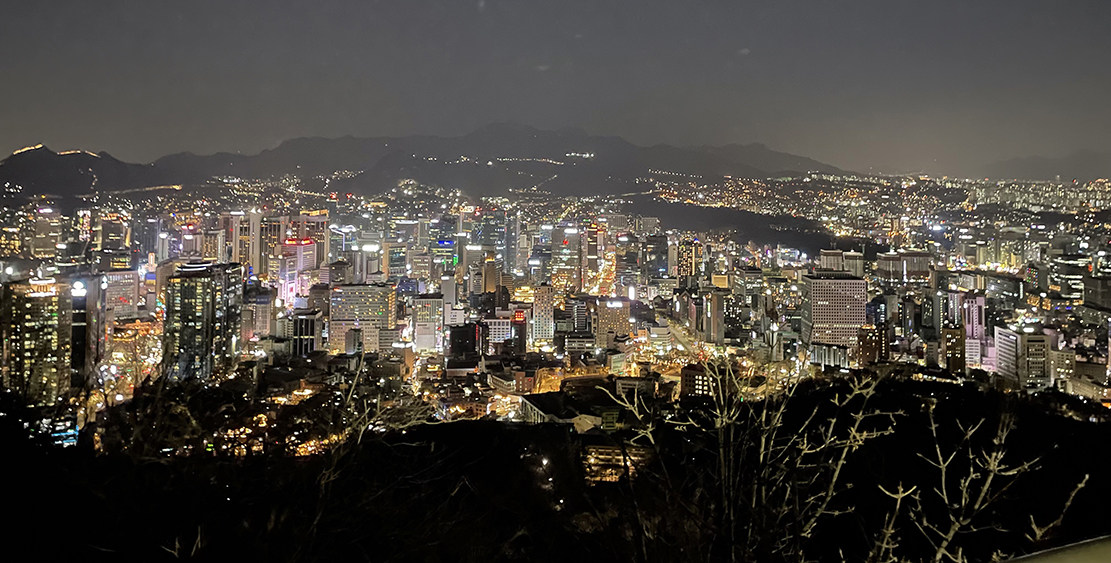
555,281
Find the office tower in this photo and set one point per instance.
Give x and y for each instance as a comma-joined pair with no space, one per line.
490,231
519,333
654,263
272,233
952,342
628,258
203,320
904,267
464,340
371,307
46,233
87,322
566,267
647,225
522,252
974,316
714,324
83,225
854,263
491,275
595,247
689,256
313,225
296,268
35,325
192,241
543,315
428,321
395,256
260,301
1022,359
612,318
831,260
308,327
873,345
832,308
242,235
112,231
121,294
214,247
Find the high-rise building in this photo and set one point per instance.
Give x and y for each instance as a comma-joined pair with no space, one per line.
566,266
112,231
428,323
1022,359
654,263
543,315
296,269
854,263
273,231
35,326
202,329
831,260
46,233
832,308
313,225
87,321
612,317
308,327
628,257
121,293
953,347
371,307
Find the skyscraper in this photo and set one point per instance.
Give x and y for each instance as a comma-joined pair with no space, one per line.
428,319
832,308
36,339
543,316
370,307
203,316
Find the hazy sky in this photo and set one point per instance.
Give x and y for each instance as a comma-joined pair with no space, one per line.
939,85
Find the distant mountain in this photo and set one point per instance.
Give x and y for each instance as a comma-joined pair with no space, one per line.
40,171
488,161
1082,165
760,156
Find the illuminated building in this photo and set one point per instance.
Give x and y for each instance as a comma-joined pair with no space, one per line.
272,233
689,259
654,263
112,231
566,266
203,315
952,342
296,268
121,291
833,308
370,307
46,233
1022,359
612,317
543,313
308,327
313,225
428,323
35,325
831,260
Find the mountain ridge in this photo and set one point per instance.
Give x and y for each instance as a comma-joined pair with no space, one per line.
487,161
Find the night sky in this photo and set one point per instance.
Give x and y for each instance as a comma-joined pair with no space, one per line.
941,86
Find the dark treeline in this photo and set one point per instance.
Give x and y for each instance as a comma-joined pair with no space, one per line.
487,491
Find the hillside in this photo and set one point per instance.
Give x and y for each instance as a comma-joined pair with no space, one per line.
488,161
